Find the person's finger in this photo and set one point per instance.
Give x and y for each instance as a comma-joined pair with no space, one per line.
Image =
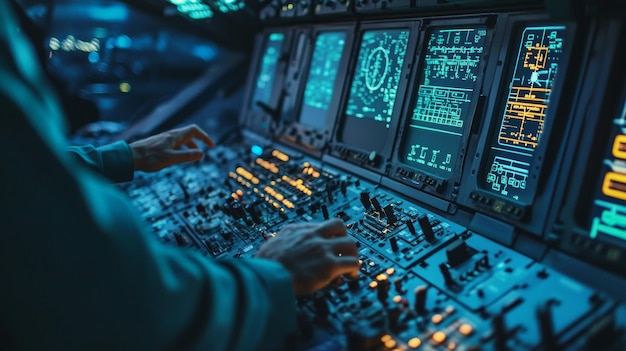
346,265
191,144
344,246
193,131
332,228
189,155
299,227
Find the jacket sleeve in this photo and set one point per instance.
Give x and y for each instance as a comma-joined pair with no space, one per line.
114,161
80,269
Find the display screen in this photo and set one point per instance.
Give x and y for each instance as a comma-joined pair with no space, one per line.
267,71
450,68
320,83
377,74
609,204
521,125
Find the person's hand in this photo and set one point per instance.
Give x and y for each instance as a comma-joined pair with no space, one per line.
314,253
169,148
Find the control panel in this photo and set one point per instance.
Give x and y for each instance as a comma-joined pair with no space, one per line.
426,136
425,282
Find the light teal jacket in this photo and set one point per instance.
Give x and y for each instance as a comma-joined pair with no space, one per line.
79,269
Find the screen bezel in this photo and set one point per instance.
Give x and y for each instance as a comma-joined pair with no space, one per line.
349,152
530,217
411,97
304,137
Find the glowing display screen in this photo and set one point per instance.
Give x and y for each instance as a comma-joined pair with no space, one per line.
450,69
267,71
320,83
378,72
521,125
609,205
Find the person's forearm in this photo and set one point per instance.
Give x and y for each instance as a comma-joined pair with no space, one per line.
114,161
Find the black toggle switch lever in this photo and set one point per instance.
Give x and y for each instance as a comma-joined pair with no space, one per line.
427,228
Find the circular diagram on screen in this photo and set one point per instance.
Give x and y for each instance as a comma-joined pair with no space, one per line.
376,67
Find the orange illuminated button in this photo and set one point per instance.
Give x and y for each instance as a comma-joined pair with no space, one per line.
390,344
439,337
374,284
415,343
390,271
437,318
466,329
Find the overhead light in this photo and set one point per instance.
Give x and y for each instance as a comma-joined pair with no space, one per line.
195,9
229,5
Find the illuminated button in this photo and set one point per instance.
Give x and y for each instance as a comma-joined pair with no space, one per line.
437,318
466,329
234,196
450,310
374,284
239,192
372,264
124,87
381,277
385,338
390,271
439,337
415,343
451,346
397,299
360,262
390,344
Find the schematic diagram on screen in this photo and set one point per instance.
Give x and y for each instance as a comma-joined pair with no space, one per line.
377,74
525,111
451,67
531,85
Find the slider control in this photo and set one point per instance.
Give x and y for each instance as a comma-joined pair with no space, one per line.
447,276
411,227
499,332
458,253
427,228
394,243
325,211
420,299
546,327
391,217
377,207
365,200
